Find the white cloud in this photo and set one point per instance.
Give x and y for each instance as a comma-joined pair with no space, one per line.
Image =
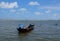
20,10
8,5
12,10
37,13
55,15
33,3
48,11
23,9
50,7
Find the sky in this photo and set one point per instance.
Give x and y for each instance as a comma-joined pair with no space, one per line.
30,9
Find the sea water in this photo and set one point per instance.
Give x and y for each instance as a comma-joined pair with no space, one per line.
45,30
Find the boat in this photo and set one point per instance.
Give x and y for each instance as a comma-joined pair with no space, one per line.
27,29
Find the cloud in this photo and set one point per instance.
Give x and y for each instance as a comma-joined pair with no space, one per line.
18,11
8,5
22,9
37,13
50,7
48,11
33,3
12,10
55,15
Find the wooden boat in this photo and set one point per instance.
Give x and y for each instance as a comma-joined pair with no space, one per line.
29,28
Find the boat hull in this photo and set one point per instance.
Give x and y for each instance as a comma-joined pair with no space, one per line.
25,30
29,28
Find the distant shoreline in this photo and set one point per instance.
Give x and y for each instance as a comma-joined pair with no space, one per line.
27,20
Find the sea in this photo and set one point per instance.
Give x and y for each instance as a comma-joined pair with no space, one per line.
44,30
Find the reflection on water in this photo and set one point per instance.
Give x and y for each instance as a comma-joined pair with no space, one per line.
43,31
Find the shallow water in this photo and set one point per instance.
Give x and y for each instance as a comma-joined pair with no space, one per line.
43,31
